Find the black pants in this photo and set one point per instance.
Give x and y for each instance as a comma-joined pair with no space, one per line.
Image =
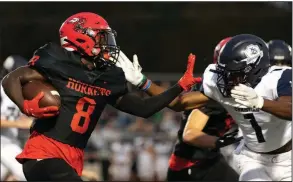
214,170
49,170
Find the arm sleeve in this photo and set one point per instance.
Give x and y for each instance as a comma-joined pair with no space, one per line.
135,105
122,89
284,86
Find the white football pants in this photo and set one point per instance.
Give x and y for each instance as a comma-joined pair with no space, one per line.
262,167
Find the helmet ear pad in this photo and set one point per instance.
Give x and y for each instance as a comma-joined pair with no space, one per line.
81,43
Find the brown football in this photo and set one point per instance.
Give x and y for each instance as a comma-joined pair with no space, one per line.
51,96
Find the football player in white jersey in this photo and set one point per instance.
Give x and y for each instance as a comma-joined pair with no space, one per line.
11,120
259,100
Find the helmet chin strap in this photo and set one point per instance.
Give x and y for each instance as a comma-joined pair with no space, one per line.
85,60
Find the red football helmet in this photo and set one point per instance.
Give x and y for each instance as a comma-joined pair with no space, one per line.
90,35
219,46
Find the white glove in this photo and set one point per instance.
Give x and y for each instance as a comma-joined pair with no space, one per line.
132,70
247,96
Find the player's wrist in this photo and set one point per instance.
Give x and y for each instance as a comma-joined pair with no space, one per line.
142,81
219,143
213,143
184,84
144,84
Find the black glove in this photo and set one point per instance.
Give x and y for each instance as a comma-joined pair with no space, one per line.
228,139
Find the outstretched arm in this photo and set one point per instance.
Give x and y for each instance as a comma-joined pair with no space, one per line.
156,90
135,105
182,102
186,101
147,107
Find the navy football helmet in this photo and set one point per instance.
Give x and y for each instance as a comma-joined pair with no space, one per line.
280,52
244,59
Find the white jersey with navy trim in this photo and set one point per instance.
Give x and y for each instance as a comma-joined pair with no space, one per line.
262,131
10,112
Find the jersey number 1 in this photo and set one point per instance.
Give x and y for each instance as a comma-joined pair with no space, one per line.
82,113
255,126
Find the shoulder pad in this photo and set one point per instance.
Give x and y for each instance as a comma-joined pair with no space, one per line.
53,49
41,56
57,53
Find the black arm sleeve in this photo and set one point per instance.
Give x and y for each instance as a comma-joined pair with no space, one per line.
135,105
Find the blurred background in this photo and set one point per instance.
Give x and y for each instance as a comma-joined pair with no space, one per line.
162,34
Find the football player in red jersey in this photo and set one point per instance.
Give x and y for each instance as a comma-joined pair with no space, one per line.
83,71
196,155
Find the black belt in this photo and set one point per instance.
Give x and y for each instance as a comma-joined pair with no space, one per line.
285,148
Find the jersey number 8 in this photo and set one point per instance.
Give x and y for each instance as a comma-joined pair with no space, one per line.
84,113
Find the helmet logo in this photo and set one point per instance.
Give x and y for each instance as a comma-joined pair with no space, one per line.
74,20
251,50
253,53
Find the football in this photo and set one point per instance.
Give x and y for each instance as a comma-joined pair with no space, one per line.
51,96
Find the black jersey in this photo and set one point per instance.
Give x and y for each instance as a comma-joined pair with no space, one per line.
214,126
84,93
